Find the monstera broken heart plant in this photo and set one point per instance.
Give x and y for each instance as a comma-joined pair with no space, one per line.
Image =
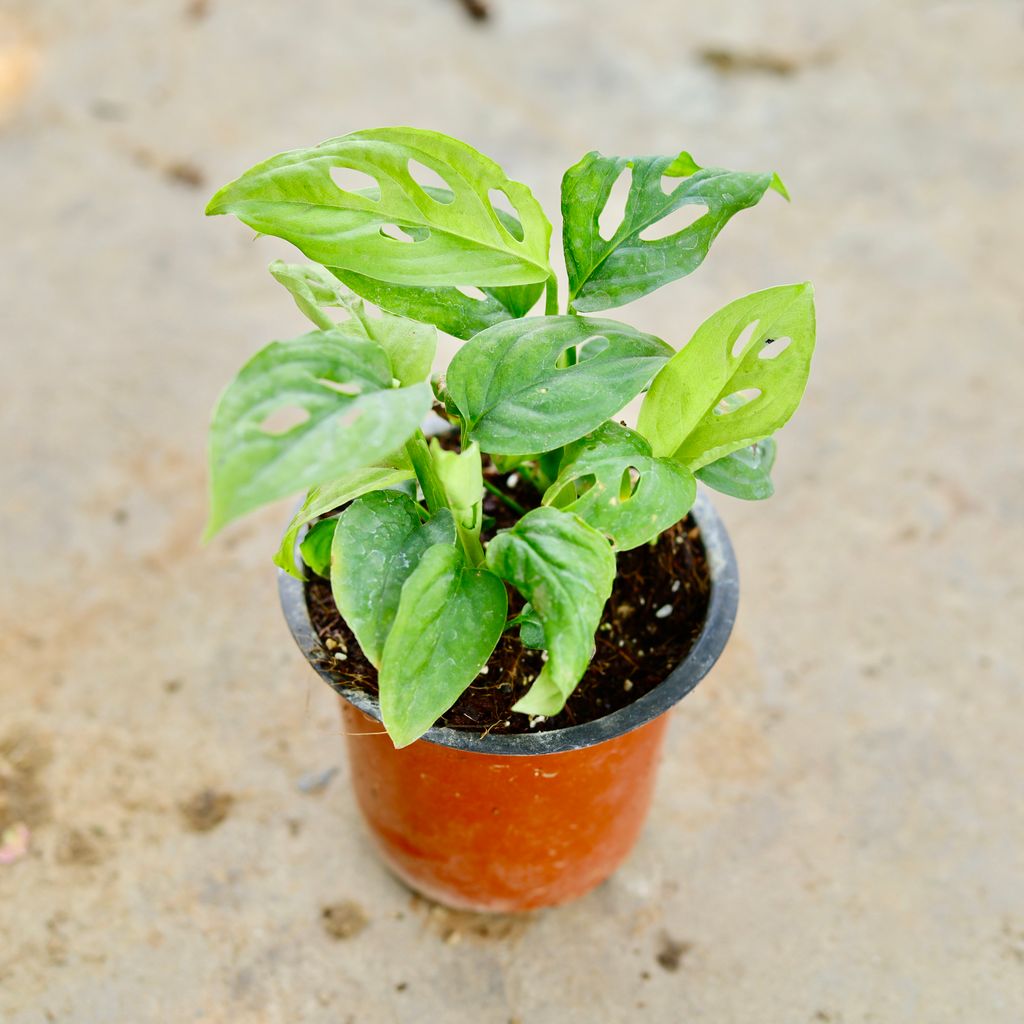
458,585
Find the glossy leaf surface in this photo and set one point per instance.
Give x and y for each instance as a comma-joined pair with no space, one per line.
606,272
378,543
565,569
723,392
515,398
450,617
611,480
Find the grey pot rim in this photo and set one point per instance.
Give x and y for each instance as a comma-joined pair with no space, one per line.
721,615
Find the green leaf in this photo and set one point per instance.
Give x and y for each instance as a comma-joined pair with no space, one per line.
597,472
744,473
450,617
329,496
612,272
709,401
337,385
514,397
531,629
462,479
451,310
377,545
316,546
410,346
565,569
462,242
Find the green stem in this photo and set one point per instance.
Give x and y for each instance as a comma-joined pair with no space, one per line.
524,470
503,497
551,297
423,466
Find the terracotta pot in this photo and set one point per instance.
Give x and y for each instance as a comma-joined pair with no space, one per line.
507,823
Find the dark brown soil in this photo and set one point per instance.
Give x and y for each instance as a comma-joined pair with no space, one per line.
652,619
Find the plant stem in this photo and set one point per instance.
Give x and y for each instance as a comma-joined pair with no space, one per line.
526,471
503,497
423,466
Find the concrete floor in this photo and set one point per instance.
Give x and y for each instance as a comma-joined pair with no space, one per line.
838,832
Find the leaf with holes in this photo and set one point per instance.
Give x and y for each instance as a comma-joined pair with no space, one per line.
377,545
596,482
329,496
316,546
627,265
744,473
514,398
346,416
396,232
738,379
430,655
410,345
565,569
451,309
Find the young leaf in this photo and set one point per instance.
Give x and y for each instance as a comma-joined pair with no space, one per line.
710,400
410,346
565,569
514,397
338,386
326,497
397,232
630,512
450,617
377,545
461,477
531,629
627,266
316,546
744,473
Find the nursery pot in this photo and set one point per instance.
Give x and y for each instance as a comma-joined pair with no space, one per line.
516,822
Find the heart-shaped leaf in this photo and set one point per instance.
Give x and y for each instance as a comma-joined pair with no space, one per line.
565,569
377,544
332,390
611,481
626,266
450,617
410,346
332,495
744,473
513,396
397,232
739,378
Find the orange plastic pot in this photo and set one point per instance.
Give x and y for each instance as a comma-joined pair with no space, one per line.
507,823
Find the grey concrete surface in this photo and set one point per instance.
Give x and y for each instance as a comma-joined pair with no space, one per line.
838,832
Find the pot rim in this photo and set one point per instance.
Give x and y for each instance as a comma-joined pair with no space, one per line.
722,605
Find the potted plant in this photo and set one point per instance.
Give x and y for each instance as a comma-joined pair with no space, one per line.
504,716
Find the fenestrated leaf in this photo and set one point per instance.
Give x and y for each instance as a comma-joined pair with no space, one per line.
326,497
449,620
410,346
462,242
612,272
744,473
453,312
377,545
316,546
339,385
708,401
565,569
514,398
596,483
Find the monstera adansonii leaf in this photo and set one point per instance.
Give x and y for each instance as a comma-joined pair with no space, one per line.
302,412
613,271
398,232
515,397
737,380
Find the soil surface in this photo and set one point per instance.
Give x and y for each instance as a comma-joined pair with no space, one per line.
654,616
